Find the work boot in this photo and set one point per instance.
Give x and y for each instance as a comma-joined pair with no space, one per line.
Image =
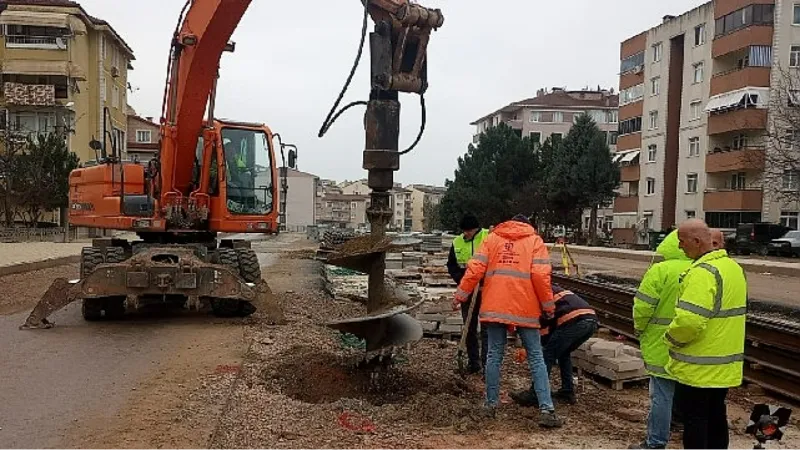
565,397
473,369
644,444
488,411
548,419
525,398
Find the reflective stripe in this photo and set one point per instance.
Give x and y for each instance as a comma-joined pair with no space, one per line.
673,341
509,317
548,305
463,266
482,258
655,369
660,321
700,311
461,294
742,311
574,314
646,298
508,273
691,307
718,278
545,262
706,360
561,295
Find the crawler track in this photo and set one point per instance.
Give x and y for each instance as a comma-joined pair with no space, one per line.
772,350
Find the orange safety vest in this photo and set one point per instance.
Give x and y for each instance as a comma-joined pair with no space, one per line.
515,266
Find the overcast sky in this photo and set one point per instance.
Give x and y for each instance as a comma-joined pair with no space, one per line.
293,56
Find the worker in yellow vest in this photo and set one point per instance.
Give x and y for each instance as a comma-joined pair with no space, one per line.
464,246
707,336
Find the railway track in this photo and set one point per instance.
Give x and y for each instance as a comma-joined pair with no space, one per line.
772,348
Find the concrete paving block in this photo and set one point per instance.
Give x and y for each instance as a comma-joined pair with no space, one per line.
431,317
429,326
622,363
589,342
613,375
632,351
449,328
454,320
606,348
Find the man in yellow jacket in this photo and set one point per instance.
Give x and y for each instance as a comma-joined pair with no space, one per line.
653,311
706,338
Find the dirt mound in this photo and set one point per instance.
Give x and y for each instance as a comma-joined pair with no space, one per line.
312,376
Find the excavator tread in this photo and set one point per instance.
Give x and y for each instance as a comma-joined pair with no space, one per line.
94,309
231,308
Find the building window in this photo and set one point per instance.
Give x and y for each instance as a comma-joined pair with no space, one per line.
652,151
698,72
633,62
536,138
144,136
763,14
691,183
655,86
535,116
700,35
558,117
794,56
651,186
629,126
796,15
119,139
695,108
791,180
557,136
631,95
790,219
612,138
691,214
739,181
694,146
653,120
740,142
612,116
657,50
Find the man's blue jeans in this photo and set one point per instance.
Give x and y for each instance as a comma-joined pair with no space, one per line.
659,420
533,346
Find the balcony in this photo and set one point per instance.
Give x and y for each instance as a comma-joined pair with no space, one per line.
37,42
631,110
630,173
737,40
516,124
733,200
29,94
629,141
626,204
735,160
740,78
738,119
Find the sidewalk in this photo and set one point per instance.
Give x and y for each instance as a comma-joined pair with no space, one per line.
27,256
749,264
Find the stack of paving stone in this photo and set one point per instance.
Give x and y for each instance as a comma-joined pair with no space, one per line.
440,320
615,361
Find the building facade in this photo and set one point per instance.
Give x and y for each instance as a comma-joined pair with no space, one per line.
422,198
343,211
301,196
694,115
143,138
552,113
61,68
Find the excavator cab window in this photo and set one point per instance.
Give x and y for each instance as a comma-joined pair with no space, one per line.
248,168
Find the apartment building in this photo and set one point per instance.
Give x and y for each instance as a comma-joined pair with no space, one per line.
343,211
143,138
422,197
300,202
694,111
60,68
399,202
552,112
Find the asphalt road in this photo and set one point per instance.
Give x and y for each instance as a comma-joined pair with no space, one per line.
51,379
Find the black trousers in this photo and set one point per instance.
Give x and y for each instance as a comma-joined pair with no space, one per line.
705,416
476,355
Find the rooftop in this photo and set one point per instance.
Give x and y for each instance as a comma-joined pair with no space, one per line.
562,98
344,197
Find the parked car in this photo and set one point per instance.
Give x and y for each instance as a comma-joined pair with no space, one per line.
788,245
756,237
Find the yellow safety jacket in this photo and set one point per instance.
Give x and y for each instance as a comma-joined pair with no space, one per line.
465,249
706,338
654,304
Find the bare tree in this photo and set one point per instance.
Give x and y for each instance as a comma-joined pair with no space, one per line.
781,155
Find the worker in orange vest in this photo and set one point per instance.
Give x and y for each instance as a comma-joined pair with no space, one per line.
515,266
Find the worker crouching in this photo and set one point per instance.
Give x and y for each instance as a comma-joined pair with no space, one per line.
573,324
515,266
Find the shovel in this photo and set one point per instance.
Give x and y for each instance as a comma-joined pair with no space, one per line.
462,343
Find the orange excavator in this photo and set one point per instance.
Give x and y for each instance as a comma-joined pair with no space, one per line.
214,176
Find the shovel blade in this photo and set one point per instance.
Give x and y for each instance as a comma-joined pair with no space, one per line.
60,294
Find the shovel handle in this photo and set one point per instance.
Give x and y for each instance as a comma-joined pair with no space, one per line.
462,343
